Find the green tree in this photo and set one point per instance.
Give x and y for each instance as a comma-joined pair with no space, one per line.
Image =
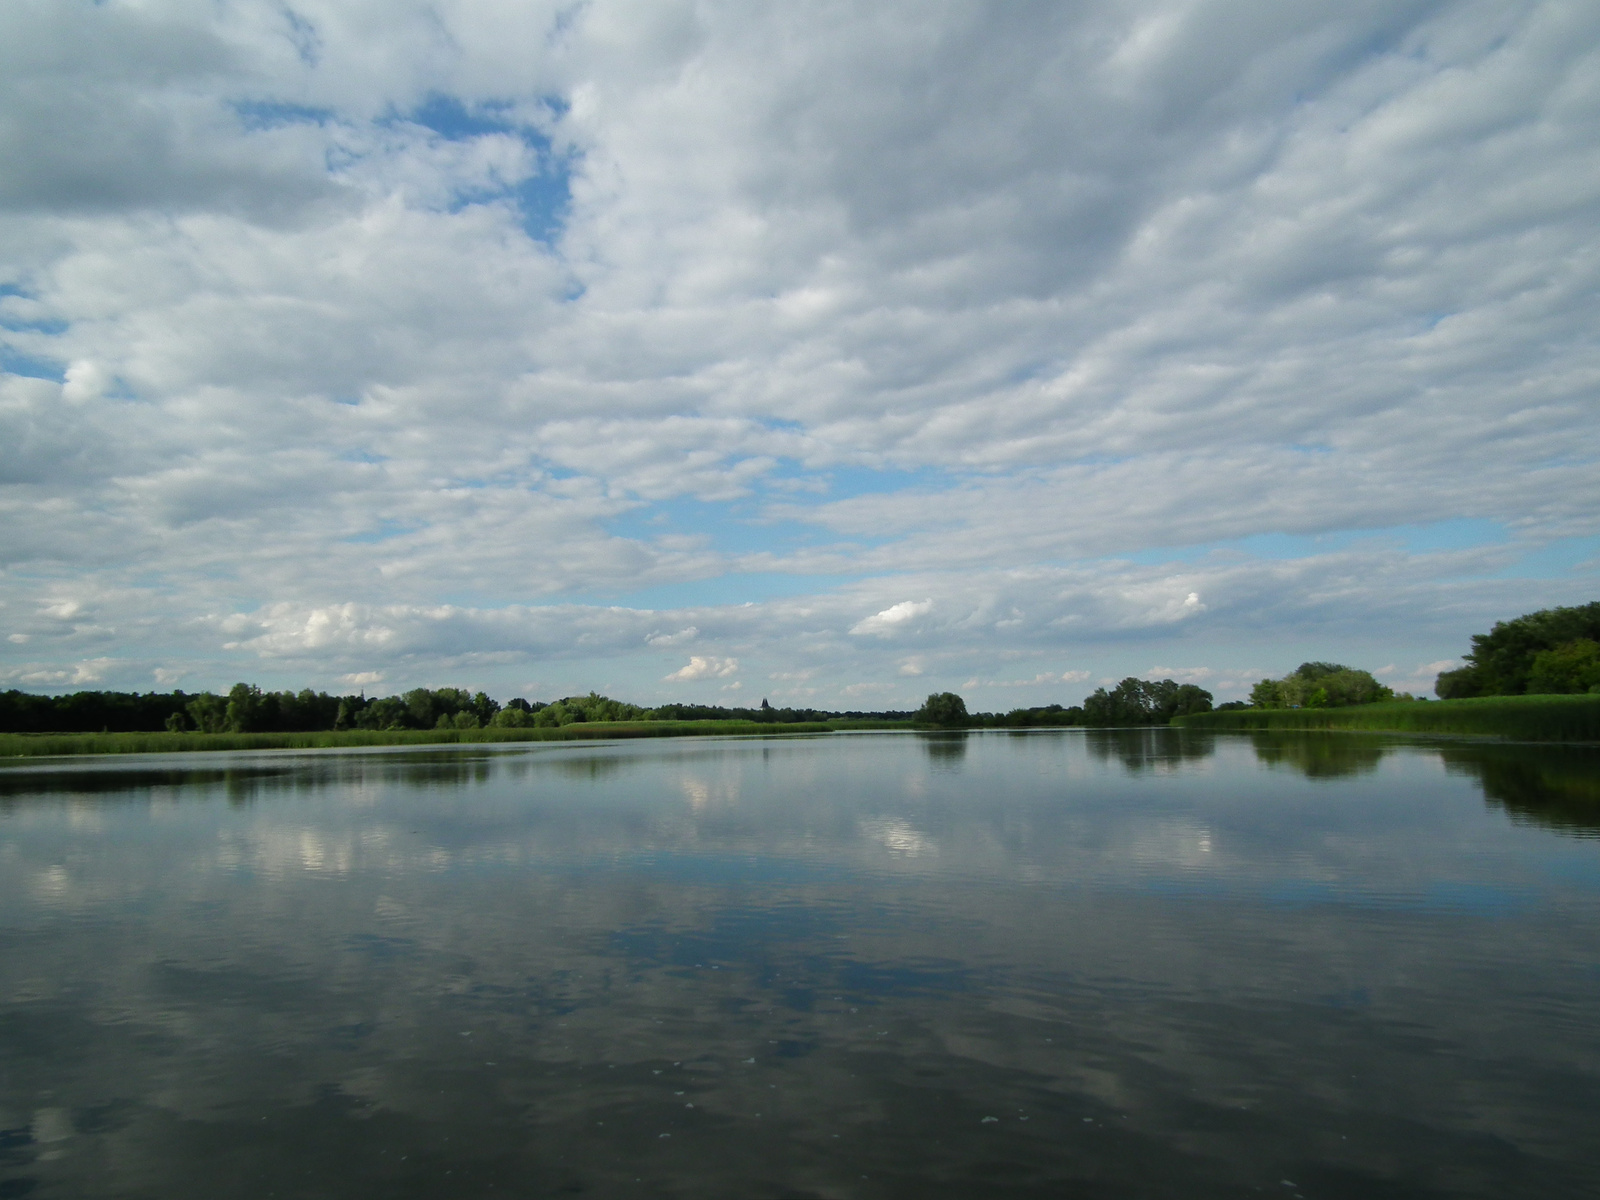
1137,701
944,709
388,713
209,712
1501,661
1572,667
1267,694
244,702
1319,685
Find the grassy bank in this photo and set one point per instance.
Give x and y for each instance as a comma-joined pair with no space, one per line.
1523,718
34,745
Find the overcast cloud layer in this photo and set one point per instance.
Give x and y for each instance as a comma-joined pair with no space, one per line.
834,353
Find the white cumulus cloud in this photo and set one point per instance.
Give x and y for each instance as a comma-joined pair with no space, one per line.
896,616
705,667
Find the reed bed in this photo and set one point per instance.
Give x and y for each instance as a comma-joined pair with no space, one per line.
1520,718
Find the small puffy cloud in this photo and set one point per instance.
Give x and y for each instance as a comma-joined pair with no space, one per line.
362,678
704,667
63,610
1181,674
893,618
84,381
914,665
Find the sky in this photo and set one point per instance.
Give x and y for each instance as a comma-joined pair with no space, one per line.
833,354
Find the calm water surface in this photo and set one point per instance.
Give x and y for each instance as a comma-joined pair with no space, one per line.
1112,964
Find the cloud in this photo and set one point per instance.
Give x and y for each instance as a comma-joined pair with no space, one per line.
1181,674
435,339
894,617
865,689
673,639
704,667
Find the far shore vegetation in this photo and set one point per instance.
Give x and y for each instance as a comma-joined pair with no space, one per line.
1538,718
1533,678
1536,677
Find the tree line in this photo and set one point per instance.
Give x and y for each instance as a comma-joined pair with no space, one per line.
246,708
1134,701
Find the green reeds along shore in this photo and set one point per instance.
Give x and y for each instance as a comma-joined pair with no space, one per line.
39,745
1521,718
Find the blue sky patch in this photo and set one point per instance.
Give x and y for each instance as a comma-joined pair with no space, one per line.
33,368
543,198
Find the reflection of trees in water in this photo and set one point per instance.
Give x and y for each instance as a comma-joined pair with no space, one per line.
88,783
1321,755
945,751
1557,787
247,781
240,783
1150,747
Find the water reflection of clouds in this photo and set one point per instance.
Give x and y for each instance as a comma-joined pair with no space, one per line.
686,909
900,838
1179,844
704,793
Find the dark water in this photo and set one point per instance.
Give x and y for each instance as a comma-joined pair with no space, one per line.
1043,964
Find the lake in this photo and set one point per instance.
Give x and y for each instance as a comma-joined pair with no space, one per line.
1046,963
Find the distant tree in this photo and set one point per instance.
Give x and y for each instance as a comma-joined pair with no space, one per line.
1051,715
944,709
1137,701
1459,684
208,712
1319,685
1501,662
391,712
